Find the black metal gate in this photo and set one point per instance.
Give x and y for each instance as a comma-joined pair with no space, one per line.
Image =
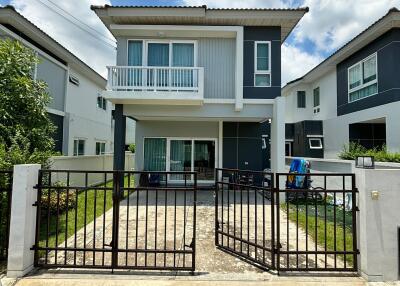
289,227
5,209
116,220
243,215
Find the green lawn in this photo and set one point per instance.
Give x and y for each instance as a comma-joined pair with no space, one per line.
97,202
343,235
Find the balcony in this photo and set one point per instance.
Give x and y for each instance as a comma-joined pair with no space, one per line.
155,85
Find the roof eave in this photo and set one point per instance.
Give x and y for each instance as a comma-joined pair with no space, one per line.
293,16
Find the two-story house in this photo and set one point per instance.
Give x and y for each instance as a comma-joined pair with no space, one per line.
202,84
352,96
82,116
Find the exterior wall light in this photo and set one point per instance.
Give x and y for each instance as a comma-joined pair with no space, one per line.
365,162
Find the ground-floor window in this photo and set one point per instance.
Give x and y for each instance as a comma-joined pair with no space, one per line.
100,148
175,154
79,147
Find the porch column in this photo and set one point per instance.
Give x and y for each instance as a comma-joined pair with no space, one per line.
119,137
278,136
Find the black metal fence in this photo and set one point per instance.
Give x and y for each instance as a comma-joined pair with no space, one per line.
116,220
306,222
5,209
316,225
243,215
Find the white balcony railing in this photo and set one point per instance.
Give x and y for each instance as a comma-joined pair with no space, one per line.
172,79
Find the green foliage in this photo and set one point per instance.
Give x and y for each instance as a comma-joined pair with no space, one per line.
25,128
57,200
351,151
132,148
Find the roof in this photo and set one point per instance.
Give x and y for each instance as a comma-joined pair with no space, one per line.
390,20
9,16
286,18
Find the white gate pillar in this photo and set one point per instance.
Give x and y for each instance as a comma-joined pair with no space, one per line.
278,141
23,220
379,221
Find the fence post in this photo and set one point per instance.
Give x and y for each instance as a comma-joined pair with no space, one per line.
23,220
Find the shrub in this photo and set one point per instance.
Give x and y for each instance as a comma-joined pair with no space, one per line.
132,148
59,196
351,151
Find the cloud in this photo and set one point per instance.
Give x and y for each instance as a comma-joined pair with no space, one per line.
237,3
331,23
92,42
296,62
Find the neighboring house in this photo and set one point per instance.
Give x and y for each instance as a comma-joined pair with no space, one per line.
352,96
203,84
82,116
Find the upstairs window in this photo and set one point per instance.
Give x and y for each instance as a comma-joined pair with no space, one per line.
79,147
301,99
262,64
316,100
101,102
362,79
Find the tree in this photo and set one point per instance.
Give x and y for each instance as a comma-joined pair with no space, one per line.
25,128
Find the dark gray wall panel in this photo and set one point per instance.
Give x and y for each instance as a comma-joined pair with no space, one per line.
58,121
252,34
388,57
242,146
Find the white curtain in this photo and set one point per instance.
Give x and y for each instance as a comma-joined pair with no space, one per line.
369,68
355,76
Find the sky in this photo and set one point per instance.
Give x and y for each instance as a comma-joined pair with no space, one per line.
326,27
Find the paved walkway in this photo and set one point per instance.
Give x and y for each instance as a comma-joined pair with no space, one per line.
213,266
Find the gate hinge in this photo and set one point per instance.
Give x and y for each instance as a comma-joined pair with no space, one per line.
356,190
33,247
217,224
35,187
35,204
356,208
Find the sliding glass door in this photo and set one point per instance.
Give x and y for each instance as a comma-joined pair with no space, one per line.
175,154
204,159
180,158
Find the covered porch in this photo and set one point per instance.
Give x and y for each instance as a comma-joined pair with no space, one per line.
193,139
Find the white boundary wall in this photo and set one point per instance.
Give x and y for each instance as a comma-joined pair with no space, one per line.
340,166
87,163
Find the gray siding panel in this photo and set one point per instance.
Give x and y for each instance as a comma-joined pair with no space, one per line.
217,56
55,78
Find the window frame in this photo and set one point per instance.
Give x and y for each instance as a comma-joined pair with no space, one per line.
317,108
321,146
101,143
362,85
305,99
146,42
103,102
262,72
77,151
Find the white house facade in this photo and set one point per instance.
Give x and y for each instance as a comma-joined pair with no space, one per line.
82,116
352,96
